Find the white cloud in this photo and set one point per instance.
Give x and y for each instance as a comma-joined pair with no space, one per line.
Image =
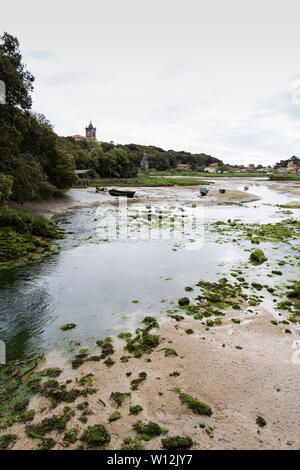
203,76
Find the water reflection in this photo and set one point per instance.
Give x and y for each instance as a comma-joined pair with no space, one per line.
93,283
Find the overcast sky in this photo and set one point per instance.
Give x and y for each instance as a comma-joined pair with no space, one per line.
214,76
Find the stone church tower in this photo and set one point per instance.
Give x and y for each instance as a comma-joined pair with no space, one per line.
90,131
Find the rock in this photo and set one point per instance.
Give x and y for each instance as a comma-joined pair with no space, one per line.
258,257
183,301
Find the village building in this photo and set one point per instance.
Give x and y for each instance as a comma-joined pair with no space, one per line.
78,137
182,166
292,168
212,168
90,132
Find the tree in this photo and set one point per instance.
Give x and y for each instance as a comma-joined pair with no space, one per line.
29,181
18,81
6,183
28,146
62,173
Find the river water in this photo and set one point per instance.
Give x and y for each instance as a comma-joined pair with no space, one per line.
94,279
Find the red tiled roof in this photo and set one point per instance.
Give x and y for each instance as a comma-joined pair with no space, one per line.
78,136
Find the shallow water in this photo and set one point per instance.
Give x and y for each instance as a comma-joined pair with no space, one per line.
92,282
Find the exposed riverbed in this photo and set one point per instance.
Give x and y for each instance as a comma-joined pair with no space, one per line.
107,282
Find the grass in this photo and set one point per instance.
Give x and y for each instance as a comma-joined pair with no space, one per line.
284,177
144,181
206,175
23,235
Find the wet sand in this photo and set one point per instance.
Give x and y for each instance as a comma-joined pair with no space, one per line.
239,384
77,198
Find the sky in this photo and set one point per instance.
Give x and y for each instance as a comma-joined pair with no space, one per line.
212,76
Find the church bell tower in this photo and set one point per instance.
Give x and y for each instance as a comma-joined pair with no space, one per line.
90,131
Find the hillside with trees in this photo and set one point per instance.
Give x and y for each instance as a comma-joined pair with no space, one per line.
109,160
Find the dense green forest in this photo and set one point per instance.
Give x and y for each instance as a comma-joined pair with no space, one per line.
109,160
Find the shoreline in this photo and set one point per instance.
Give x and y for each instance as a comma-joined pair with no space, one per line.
255,379
76,198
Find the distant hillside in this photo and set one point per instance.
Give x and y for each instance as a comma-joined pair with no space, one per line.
159,159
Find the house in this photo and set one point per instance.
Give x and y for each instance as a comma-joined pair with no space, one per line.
78,137
182,166
281,169
210,169
294,170
90,131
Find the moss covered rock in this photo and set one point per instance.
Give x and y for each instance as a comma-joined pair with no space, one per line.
258,257
198,407
177,443
96,436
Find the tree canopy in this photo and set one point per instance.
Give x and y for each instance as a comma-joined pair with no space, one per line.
29,154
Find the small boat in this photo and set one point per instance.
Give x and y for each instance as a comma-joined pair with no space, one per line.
222,191
100,190
203,191
116,192
246,188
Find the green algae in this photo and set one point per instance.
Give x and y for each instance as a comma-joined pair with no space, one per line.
118,397
51,372
189,331
46,444
54,423
143,345
126,336
260,421
258,257
18,383
197,406
96,436
70,437
86,380
148,431
132,444
114,416
68,326
109,362
184,301
135,410
25,238
7,441
170,352
136,382
151,321
283,231
57,393
177,443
